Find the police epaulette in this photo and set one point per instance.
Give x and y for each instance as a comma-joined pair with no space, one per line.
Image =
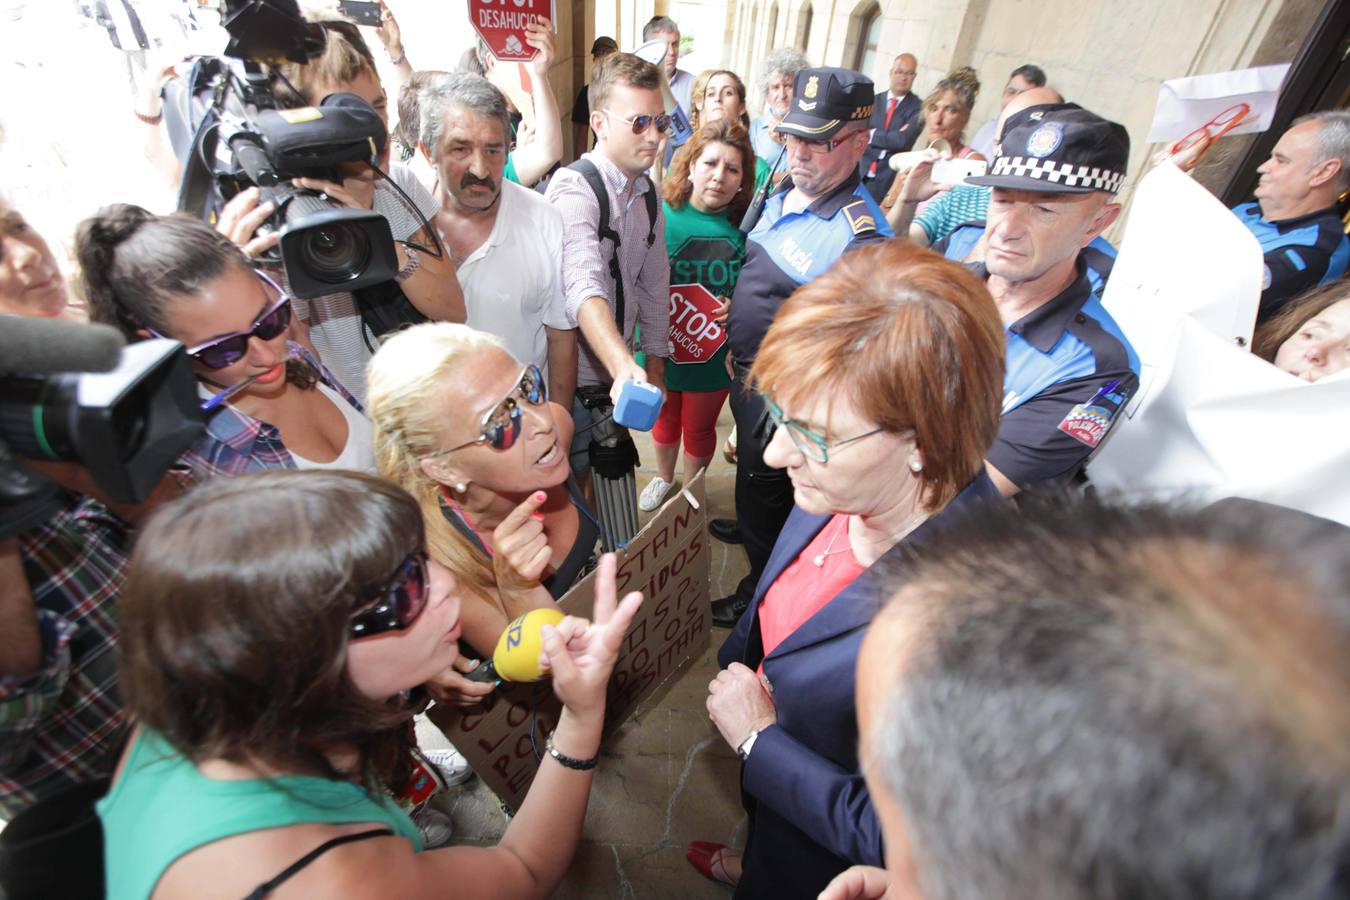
859,217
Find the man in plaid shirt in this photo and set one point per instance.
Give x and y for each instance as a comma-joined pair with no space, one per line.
61,721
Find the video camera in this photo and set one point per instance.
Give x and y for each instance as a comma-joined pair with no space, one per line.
75,393
229,133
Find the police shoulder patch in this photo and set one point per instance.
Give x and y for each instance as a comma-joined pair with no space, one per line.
859,217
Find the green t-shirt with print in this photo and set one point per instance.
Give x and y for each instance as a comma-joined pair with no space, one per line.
706,249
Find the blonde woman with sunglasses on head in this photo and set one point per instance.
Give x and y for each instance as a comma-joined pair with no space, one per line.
467,429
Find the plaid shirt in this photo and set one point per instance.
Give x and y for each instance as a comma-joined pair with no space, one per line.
63,725
235,443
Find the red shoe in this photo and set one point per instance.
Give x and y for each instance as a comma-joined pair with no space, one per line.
710,859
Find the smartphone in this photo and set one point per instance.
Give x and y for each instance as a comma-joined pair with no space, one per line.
956,171
363,13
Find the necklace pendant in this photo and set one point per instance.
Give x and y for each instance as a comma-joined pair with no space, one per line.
819,560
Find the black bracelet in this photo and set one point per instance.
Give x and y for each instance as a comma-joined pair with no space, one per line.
567,762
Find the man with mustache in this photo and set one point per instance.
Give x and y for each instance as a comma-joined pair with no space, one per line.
506,239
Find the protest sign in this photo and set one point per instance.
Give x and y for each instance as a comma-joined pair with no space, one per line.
1210,420
693,333
668,562
501,25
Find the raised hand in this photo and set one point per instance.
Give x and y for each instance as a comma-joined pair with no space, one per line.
539,35
581,654
520,546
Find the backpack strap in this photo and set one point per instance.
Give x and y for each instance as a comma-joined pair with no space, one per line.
587,170
650,197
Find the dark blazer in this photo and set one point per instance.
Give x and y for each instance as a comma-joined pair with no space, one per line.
904,131
810,813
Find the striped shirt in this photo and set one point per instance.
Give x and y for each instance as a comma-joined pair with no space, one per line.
645,270
963,203
63,725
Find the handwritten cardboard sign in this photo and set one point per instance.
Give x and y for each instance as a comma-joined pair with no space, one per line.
668,562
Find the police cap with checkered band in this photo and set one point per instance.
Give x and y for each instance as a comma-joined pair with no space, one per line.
1059,148
825,100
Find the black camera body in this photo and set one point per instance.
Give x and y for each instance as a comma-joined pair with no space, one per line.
73,393
230,135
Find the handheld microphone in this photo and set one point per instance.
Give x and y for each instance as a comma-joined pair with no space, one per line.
516,657
50,346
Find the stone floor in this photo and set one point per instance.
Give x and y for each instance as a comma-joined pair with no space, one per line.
665,779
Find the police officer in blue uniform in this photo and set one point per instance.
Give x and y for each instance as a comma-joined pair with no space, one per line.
819,212
1295,214
1070,368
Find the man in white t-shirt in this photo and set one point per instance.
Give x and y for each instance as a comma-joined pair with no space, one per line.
506,239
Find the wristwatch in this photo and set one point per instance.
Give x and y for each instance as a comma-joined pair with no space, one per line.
411,266
743,751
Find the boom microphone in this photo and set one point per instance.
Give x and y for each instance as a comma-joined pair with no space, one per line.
47,346
517,655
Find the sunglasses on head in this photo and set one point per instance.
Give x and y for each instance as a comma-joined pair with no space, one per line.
401,600
640,124
501,424
220,352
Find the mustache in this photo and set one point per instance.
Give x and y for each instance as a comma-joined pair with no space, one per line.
470,180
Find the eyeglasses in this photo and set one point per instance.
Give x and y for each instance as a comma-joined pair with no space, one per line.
1215,128
401,600
641,123
501,424
813,446
228,350
816,148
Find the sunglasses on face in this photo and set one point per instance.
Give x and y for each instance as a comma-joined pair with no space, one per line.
221,352
501,424
813,446
640,124
401,600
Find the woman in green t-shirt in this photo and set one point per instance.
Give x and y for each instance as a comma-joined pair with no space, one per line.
707,190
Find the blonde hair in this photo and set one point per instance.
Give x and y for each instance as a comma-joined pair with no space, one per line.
404,382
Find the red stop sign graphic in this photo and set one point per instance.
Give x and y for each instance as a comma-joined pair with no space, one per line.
501,24
694,334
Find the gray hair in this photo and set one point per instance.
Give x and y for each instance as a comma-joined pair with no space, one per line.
473,92
658,25
1102,701
778,62
1333,139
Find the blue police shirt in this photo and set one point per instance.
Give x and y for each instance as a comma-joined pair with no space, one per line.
1300,253
1070,370
784,251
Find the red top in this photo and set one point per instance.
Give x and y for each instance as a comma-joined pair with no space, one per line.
804,588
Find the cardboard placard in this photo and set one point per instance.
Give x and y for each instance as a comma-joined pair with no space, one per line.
668,561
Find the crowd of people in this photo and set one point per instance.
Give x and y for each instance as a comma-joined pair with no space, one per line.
949,671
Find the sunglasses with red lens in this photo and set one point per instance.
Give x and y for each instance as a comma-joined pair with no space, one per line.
400,601
500,425
220,352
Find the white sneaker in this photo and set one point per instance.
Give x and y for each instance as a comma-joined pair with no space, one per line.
654,494
454,768
434,827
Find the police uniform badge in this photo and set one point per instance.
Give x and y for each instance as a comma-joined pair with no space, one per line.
809,93
1088,422
1045,140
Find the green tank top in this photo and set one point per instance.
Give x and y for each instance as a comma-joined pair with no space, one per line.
163,807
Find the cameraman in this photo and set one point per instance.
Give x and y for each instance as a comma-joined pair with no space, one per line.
426,286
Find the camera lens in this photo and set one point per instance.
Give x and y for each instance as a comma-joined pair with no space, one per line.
335,253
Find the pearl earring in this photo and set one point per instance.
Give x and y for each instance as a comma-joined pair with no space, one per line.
460,488
915,466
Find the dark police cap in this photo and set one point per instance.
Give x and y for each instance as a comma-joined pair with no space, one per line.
825,100
1059,148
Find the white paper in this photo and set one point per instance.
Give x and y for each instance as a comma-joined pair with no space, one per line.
1210,419
1184,104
